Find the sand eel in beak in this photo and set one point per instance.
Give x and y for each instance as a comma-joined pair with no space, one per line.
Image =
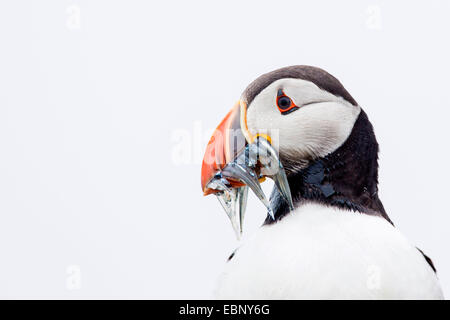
327,234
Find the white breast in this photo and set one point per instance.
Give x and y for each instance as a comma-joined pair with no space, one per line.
317,252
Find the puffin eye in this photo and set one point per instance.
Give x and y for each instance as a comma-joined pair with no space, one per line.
284,103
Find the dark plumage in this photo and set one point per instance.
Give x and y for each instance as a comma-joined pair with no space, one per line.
346,178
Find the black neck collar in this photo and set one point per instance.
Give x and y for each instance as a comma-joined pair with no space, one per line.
346,178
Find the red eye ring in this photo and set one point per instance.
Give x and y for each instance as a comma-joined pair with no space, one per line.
285,103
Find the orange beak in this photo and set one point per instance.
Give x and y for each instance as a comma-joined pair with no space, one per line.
227,141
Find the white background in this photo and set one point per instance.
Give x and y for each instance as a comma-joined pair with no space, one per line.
106,106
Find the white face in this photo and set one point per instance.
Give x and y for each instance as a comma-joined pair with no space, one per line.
321,124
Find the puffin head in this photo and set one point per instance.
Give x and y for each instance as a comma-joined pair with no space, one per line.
308,111
299,126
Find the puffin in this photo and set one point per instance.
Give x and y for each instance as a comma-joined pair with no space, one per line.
326,234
